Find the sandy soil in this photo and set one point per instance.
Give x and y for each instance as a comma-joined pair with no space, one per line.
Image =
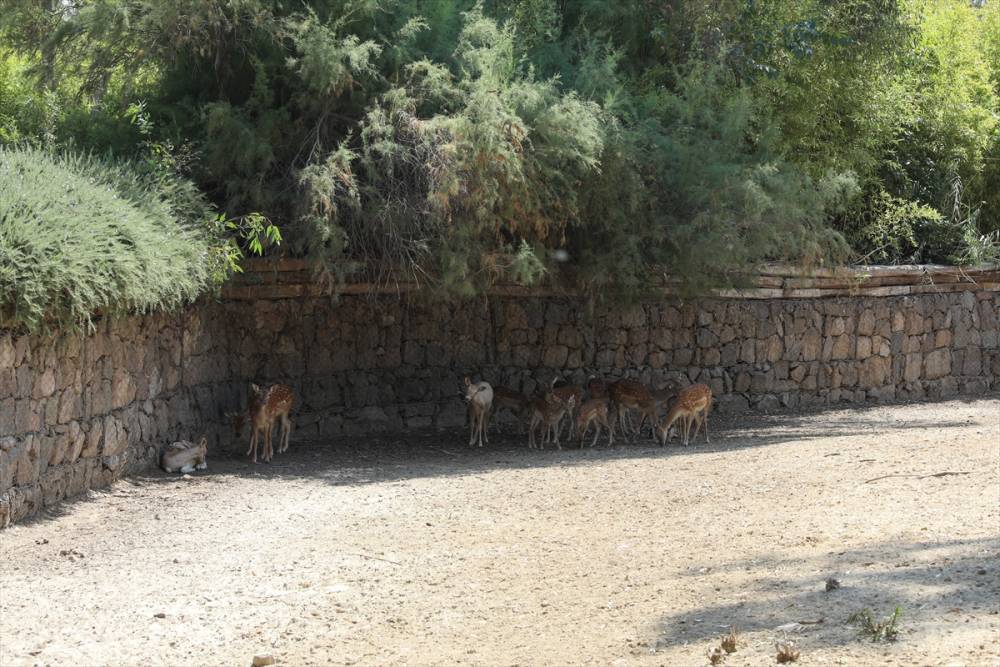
382,552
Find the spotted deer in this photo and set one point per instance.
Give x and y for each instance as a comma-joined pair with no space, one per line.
184,456
692,405
628,395
267,405
479,396
564,392
548,411
649,409
597,387
594,410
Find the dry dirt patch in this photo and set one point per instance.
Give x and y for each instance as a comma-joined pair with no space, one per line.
382,551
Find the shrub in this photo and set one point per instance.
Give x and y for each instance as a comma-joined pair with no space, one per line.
79,233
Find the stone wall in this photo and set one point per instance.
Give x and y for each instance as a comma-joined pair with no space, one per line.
393,363
78,411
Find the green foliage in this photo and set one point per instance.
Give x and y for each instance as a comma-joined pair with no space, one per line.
462,143
80,234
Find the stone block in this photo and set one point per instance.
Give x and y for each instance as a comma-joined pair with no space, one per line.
555,356
972,364
26,461
26,416
937,364
874,372
866,322
842,347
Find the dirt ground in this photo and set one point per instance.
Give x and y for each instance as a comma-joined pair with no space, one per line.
382,551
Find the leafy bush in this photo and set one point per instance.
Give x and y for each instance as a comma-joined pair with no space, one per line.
80,234
466,142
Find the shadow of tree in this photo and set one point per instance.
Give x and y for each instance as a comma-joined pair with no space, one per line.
928,580
387,457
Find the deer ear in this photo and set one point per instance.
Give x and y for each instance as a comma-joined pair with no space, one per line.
254,387
467,381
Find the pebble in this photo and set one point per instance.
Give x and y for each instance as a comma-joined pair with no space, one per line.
263,660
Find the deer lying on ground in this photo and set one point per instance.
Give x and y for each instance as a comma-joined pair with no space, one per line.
514,401
594,410
479,396
185,457
267,405
548,411
692,405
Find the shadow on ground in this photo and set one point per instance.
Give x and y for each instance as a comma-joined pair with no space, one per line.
382,457
928,581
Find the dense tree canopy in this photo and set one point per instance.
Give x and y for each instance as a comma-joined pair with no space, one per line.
463,142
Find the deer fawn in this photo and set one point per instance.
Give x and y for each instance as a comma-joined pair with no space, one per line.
479,396
594,410
692,405
548,411
184,456
267,405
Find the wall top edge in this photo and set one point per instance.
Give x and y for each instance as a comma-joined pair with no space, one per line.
284,264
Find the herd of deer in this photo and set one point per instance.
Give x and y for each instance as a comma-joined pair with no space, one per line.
609,403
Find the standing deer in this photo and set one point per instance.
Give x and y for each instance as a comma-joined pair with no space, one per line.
514,401
597,387
564,392
479,396
626,395
633,395
650,408
692,405
267,405
548,411
594,410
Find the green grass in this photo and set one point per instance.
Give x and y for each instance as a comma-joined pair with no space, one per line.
81,234
875,629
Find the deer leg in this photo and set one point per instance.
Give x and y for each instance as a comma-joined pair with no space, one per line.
697,419
286,428
472,426
253,444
